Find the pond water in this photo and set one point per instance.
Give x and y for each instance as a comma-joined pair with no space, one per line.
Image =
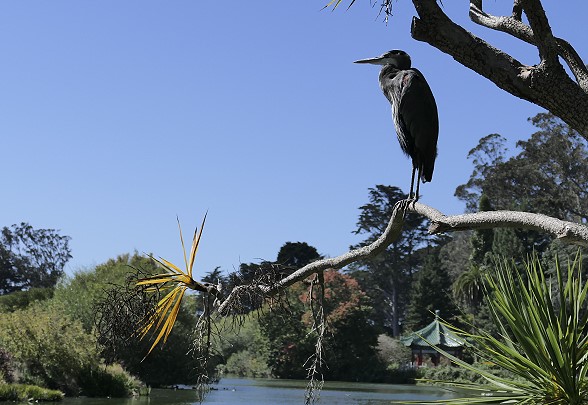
230,391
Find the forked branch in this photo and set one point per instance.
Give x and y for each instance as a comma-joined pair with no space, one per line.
546,84
514,26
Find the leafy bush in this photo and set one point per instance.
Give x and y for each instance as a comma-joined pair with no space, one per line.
109,381
51,348
6,367
247,363
22,299
462,375
28,393
408,375
392,352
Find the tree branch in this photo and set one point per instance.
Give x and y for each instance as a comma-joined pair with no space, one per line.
567,231
391,233
547,84
546,45
514,26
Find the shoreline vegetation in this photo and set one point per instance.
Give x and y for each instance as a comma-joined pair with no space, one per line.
28,393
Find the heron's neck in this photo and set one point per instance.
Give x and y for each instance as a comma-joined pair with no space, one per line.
389,71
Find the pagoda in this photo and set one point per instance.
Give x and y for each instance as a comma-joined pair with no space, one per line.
434,334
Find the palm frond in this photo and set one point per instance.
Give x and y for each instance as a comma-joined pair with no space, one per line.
175,282
542,341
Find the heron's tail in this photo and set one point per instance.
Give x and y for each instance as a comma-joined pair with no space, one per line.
427,172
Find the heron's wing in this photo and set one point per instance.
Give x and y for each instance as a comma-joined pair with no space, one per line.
417,105
418,113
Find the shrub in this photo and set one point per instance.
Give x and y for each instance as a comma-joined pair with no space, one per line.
51,348
247,363
107,381
6,367
392,352
28,393
22,299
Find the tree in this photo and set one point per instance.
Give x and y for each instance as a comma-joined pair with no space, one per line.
348,346
468,288
546,84
297,254
549,175
387,277
430,292
31,257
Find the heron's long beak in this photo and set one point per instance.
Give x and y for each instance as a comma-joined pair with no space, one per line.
373,61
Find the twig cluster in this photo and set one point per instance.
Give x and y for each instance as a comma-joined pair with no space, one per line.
119,314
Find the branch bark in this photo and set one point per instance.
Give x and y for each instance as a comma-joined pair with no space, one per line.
567,231
513,25
546,84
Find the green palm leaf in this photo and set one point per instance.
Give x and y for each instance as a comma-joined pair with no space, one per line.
543,337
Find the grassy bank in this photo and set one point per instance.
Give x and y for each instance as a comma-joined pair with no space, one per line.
24,393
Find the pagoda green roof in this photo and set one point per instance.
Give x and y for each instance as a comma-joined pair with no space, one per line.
435,334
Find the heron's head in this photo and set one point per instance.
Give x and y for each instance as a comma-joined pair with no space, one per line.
397,58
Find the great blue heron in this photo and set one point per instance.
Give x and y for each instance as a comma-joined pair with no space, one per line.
414,112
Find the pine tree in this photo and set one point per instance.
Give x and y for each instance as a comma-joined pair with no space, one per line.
431,291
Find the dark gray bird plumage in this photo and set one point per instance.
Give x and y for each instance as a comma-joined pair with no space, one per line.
414,112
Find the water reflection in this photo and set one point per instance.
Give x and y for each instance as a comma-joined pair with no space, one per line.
231,391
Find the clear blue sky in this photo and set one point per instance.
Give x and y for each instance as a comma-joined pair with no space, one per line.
116,116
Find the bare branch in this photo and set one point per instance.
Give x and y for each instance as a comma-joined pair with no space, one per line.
390,234
567,231
514,26
545,41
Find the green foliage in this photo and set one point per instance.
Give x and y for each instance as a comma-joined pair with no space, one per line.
247,363
6,367
242,346
462,375
104,295
51,348
351,339
22,299
549,175
543,340
28,393
386,278
482,239
31,257
78,295
108,381
508,244
431,291
297,254
289,342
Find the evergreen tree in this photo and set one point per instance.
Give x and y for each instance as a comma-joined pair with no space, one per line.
386,278
430,292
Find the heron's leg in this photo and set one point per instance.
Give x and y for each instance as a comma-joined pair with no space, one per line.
416,198
410,195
